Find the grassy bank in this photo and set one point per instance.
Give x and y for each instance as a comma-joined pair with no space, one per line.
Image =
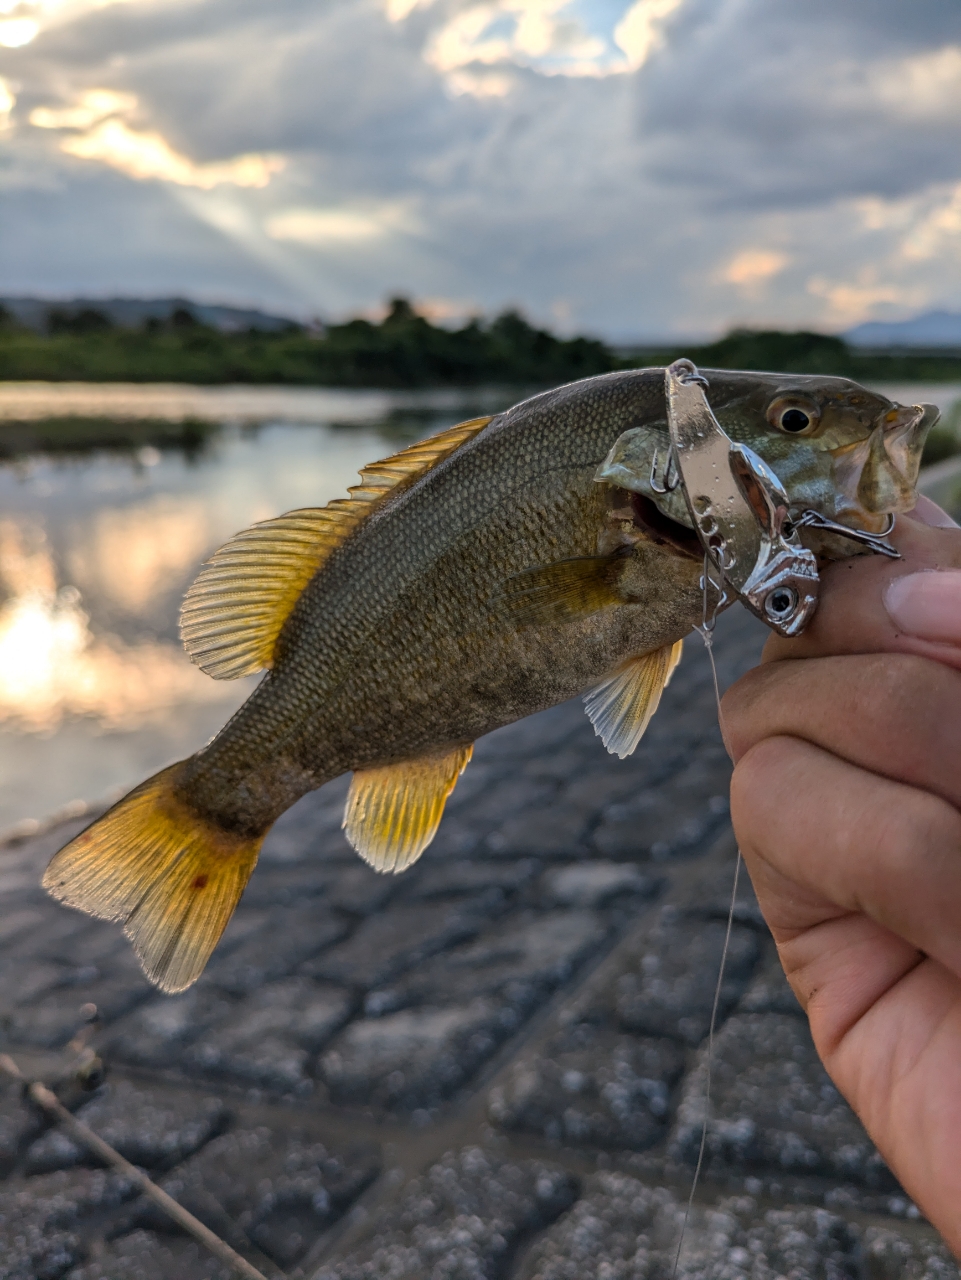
405,350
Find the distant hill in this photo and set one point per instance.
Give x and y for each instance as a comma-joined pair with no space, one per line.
131,313
932,330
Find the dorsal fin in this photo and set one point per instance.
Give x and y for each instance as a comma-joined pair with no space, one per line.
232,615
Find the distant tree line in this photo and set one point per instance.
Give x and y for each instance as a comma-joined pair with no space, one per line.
403,350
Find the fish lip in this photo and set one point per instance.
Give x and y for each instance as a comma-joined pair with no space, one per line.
907,417
929,417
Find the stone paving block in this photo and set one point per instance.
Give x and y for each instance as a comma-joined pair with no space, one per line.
143,1255
415,1058
52,1020
268,1039
592,1086
310,829
519,960
559,766
620,1229
888,1255
511,794
459,1221
595,884
774,1107
20,1124
18,924
148,1128
156,1033
623,1229
285,941
383,946
554,828
457,879
360,890
546,733
40,1220
286,885
631,827
669,987
282,1190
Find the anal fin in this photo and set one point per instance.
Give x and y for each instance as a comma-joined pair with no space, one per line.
393,812
564,590
621,707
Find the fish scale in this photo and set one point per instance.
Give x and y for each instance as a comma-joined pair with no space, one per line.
475,578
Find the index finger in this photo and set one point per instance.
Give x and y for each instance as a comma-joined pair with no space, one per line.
851,616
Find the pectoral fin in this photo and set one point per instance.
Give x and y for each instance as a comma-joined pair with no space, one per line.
620,708
392,813
564,590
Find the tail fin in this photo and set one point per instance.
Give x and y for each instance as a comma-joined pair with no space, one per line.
168,875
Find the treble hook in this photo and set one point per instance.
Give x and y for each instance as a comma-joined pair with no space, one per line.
874,541
672,476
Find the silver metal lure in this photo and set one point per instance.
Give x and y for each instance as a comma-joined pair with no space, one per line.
741,511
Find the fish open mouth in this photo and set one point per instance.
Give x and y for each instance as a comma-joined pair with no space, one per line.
661,528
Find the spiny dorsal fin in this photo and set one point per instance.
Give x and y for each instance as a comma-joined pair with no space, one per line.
171,878
392,813
555,593
621,707
232,615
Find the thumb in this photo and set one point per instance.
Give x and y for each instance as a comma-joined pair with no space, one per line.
871,604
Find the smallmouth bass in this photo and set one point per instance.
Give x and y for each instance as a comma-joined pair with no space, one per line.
480,576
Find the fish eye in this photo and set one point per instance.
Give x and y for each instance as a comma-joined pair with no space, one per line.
794,415
794,420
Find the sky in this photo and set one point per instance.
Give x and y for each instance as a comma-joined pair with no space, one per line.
631,168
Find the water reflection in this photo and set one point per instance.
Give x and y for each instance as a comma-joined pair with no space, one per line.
96,551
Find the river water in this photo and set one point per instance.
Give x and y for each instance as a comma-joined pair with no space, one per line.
97,549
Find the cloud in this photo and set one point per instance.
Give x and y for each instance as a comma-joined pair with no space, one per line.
553,37
647,166
148,155
753,267
143,155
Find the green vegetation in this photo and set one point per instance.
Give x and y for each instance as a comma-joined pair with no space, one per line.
77,434
822,353
404,350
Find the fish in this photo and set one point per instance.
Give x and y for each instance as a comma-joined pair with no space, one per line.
482,575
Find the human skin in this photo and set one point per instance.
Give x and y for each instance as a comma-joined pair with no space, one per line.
846,801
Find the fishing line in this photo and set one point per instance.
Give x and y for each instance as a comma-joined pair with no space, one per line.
706,631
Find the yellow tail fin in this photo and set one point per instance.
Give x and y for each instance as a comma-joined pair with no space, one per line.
170,877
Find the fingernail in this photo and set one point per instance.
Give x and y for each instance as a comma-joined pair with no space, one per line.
927,604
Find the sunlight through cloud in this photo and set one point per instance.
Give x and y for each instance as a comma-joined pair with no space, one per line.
7,104
16,32
319,227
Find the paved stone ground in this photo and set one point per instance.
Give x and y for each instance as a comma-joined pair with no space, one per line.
490,1068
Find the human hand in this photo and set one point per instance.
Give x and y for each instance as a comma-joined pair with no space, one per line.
845,801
